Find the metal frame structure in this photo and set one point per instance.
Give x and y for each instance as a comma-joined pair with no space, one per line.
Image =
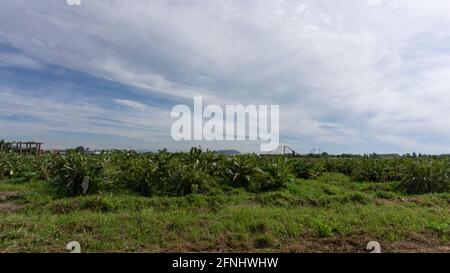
20,147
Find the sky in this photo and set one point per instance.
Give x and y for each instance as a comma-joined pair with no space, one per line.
353,76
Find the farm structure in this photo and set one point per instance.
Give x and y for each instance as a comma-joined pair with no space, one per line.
282,150
20,147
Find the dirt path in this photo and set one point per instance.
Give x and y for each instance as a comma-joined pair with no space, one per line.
7,203
419,243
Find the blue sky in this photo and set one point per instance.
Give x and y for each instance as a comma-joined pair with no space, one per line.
349,77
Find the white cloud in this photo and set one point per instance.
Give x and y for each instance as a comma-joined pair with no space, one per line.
341,71
133,104
78,117
17,60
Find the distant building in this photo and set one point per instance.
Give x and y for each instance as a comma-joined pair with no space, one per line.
58,152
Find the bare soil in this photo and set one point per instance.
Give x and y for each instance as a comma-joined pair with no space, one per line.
7,203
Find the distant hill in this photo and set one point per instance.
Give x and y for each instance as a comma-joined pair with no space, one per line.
228,152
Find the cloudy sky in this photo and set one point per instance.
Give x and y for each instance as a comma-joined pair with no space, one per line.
351,76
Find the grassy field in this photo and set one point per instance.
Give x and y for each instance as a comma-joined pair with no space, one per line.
330,213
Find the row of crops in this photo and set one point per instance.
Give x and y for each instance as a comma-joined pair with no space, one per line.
177,174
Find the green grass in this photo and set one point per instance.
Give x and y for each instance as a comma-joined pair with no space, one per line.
326,214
